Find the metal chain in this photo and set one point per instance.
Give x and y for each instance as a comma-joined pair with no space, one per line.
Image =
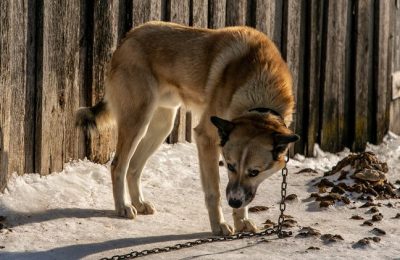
267,232
282,204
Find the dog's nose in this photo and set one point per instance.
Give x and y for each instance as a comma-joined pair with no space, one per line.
234,203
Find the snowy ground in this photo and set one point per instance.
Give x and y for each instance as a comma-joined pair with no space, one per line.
69,215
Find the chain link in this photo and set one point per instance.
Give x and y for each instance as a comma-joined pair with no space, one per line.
282,204
267,232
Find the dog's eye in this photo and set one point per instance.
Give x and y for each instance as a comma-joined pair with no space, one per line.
231,167
253,173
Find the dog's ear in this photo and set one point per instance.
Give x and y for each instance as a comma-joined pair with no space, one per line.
285,139
281,142
225,127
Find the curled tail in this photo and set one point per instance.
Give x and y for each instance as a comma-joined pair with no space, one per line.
91,119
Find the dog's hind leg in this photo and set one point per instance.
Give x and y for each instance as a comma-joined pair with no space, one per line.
130,133
133,100
160,126
207,145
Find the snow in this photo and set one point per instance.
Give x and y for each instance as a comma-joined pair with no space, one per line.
69,215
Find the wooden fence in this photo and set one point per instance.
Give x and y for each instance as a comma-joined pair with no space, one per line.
53,55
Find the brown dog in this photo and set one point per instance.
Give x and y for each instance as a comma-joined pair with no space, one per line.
234,73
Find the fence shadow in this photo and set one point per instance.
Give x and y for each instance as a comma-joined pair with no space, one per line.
83,250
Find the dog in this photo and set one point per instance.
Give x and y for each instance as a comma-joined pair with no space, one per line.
233,78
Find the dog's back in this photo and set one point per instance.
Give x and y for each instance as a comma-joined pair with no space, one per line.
195,62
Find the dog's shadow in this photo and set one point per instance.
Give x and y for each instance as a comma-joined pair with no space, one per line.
15,218
79,251
83,250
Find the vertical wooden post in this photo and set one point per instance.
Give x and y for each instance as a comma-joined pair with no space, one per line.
179,13
60,84
293,51
394,62
200,20
382,80
268,19
107,30
217,14
363,71
17,88
200,13
237,12
144,11
334,64
313,72
5,90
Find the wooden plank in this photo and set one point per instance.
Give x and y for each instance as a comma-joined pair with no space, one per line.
333,81
313,72
348,92
200,13
30,82
106,29
394,62
292,52
236,12
382,81
17,84
144,11
5,97
200,20
60,84
268,19
217,14
363,73
179,13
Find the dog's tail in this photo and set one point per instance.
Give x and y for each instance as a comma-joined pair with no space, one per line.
92,119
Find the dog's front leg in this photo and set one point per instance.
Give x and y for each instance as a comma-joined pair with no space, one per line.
242,221
208,159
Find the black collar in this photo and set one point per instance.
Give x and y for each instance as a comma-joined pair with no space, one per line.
266,110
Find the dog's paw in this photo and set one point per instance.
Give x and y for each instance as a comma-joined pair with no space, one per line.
223,229
245,225
126,211
146,208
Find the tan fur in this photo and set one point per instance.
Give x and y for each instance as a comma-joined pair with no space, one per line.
226,72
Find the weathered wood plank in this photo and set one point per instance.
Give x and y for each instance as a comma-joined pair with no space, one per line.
292,52
268,18
17,86
30,81
363,73
179,13
313,71
394,62
199,14
334,63
217,14
60,84
144,11
5,97
237,12
106,27
382,80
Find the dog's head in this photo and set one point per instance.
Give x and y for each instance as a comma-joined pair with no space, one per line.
253,147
